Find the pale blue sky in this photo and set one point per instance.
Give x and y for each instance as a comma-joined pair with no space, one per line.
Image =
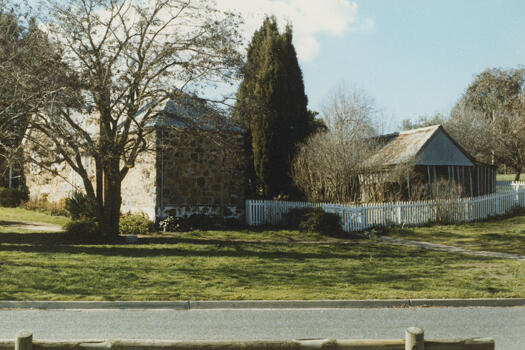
419,56
414,57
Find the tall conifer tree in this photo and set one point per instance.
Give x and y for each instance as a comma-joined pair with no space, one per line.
272,106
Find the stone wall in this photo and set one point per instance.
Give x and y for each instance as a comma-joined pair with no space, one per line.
59,182
53,185
200,172
190,172
139,192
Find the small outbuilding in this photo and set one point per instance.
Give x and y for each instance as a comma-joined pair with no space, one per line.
194,164
424,163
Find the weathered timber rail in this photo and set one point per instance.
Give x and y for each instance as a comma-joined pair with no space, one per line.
414,340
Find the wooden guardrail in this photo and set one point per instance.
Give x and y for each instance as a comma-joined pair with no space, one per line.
414,340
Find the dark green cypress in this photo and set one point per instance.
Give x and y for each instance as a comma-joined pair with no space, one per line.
272,106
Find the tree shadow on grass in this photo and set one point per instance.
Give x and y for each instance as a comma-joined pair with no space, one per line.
31,237
12,223
235,250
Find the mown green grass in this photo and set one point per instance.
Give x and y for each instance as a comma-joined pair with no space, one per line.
257,234
499,235
207,269
208,265
508,177
232,271
23,215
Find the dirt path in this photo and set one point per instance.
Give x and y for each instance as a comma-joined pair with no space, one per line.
449,249
33,226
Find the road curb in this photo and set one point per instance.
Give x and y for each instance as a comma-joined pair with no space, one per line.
261,304
91,305
299,304
496,302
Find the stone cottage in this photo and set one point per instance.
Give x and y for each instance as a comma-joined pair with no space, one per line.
418,164
194,167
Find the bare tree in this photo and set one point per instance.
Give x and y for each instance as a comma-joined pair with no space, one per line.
29,72
128,58
326,167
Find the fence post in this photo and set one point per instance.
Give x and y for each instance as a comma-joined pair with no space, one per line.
414,339
24,341
399,214
248,212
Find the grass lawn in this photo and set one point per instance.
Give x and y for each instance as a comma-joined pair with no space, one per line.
508,177
21,215
501,235
206,266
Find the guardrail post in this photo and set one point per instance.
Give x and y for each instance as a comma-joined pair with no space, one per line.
414,339
24,341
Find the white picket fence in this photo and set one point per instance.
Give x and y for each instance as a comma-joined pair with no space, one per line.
509,185
362,217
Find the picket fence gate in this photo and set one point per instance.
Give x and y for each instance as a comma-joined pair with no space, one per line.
362,217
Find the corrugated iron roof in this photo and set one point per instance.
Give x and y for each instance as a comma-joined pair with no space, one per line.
404,146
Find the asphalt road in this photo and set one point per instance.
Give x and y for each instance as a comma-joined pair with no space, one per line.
506,324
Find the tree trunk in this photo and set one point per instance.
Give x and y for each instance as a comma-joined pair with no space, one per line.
112,201
518,173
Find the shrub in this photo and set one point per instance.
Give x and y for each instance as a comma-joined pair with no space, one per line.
135,224
294,217
82,231
197,222
42,205
515,211
80,207
173,224
320,221
312,220
232,223
12,197
380,230
202,222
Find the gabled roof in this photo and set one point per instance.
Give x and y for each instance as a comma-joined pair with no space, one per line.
193,113
424,146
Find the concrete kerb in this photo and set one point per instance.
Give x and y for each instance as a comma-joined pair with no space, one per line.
299,304
264,304
496,302
93,305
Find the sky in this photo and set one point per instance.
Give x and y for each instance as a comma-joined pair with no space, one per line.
414,57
